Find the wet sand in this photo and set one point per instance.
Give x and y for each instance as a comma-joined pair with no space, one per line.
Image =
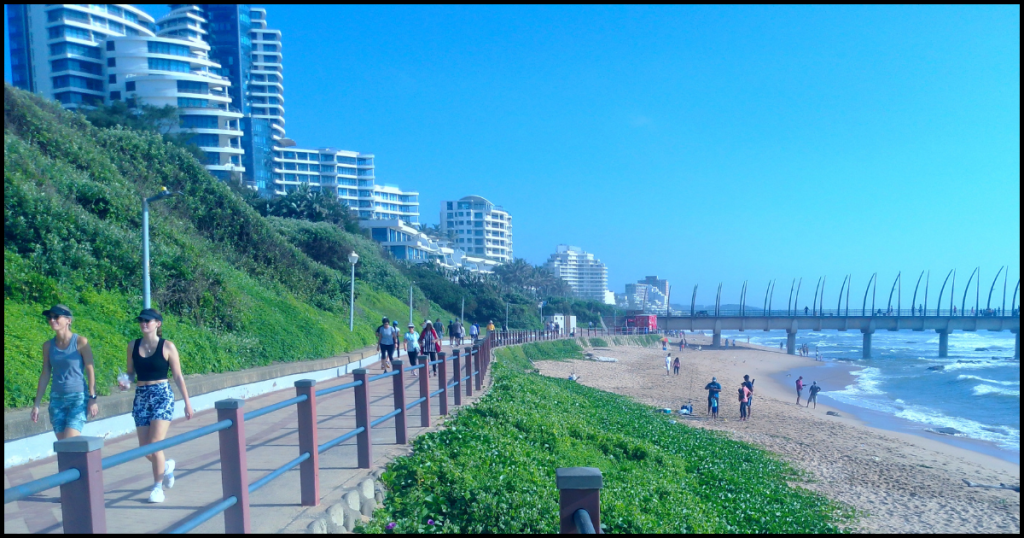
902,482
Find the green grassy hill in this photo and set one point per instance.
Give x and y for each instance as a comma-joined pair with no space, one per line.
238,290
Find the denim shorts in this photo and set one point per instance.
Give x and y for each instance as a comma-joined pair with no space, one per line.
152,402
68,411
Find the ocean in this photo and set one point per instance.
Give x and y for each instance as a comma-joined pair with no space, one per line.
976,390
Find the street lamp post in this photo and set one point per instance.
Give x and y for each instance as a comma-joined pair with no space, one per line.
352,260
506,316
410,302
164,193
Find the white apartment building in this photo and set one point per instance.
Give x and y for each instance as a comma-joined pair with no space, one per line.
584,273
347,175
266,79
478,227
406,242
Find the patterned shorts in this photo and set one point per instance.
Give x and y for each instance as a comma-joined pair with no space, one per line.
152,402
67,411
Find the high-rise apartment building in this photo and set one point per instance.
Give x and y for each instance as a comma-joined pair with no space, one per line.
584,273
478,227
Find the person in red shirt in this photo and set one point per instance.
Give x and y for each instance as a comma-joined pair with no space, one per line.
799,388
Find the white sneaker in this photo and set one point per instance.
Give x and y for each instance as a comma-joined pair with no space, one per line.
169,474
157,495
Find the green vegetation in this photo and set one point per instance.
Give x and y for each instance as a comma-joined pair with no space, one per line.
238,289
598,342
643,340
493,468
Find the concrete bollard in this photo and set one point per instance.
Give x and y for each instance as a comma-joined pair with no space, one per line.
425,392
363,439
578,487
309,470
442,383
456,368
234,471
401,430
81,501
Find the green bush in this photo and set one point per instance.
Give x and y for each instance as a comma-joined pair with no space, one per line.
598,342
492,469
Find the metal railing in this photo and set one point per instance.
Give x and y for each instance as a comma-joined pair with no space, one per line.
80,463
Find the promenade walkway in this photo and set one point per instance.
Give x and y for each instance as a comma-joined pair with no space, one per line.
272,440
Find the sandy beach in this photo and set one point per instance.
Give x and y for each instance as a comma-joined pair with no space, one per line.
901,482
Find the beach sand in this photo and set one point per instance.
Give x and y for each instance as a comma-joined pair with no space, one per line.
901,482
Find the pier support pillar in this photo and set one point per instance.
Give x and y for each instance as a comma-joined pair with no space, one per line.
716,339
867,343
1016,348
791,342
943,344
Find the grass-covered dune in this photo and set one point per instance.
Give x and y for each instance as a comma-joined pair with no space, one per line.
238,290
493,468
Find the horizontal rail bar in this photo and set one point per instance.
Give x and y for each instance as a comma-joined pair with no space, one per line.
453,384
382,376
205,515
411,368
17,493
334,442
322,392
415,403
464,378
438,361
278,472
436,392
271,408
386,417
145,450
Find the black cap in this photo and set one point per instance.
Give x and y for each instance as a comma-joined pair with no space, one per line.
57,310
384,320
148,314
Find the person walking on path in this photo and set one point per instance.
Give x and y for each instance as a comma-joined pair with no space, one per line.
429,346
438,328
812,396
744,393
490,327
749,383
387,342
412,346
682,344
668,364
799,388
460,332
474,332
451,332
675,366
68,358
150,358
713,389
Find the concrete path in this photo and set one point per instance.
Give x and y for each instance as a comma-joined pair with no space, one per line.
272,441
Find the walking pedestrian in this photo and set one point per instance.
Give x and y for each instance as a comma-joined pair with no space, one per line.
460,332
412,346
675,366
68,358
812,396
668,364
439,329
150,359
743,395
474,332
780,344
749,383
451,332
806,310
387,342
430,344
799,388
713,388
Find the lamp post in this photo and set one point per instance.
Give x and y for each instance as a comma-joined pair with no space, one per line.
410,301
164,193
352,260
506,315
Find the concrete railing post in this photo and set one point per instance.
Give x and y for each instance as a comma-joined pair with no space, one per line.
469,370
81,501
442,383
456,363
364,441
477,373
234,470
578,487
425,392
401,428
309,470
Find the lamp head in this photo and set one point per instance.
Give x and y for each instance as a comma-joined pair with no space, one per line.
353,258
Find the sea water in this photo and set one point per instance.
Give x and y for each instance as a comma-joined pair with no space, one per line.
976,390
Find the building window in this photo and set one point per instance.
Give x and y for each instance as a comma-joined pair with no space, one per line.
115,96
111,62
65,81
189,86
110,45
112,79
130,85
157,47
76,65
188,102
74,48
162,64
199,122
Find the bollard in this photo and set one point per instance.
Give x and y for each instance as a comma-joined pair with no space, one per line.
425,392
578,487
309,470
442,384
476,368
457,370
81,501
234,471
401,431
363,441
469,371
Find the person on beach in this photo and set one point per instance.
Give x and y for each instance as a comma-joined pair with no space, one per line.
743,395
682,345
387,342
780,345
412,346
713,389
664,343
668,364
749,383
675,366
68,358
150,358
714,409
799,388
429,346
812,394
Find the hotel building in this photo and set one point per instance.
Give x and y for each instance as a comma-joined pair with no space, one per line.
584,273
478,227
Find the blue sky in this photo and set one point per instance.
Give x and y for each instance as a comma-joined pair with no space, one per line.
701,144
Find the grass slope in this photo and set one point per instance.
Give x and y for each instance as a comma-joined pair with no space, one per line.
493,468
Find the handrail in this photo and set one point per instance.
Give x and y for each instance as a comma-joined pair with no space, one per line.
338,440
255,413
382,376
385,417
583,523
17,493
415,403
205,516
323,392
436,392
145,450
278,472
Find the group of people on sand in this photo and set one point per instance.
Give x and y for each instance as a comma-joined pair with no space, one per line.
744,394
149,361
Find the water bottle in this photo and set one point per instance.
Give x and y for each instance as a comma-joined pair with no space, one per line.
123,382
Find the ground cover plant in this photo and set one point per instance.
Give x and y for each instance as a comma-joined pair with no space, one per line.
598,342
492,469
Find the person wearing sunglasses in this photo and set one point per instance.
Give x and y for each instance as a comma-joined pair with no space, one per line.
67,358
151,358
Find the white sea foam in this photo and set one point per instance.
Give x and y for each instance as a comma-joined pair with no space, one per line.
867,383
976,378
983,390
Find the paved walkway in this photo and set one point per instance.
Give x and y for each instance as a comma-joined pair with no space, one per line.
272,441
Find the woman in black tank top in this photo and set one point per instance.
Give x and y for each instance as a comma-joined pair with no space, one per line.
152,358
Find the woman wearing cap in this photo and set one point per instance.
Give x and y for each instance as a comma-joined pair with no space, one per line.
428,346
412,346
387,343
150,358
68,358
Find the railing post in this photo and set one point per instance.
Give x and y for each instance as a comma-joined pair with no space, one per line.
81,501
458,374
442,383
477,374
578,487
425,392
469,371
309,470
401,430
363,440
234,471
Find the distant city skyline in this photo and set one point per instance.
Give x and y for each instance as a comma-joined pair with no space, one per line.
702,144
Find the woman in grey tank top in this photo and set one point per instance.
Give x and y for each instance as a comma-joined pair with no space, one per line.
68,359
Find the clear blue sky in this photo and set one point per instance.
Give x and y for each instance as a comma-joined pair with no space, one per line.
701,144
